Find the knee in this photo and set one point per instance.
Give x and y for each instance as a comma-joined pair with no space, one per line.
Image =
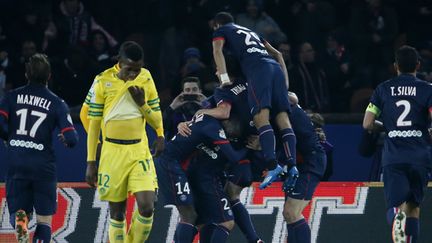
188,215
229,225
146,209
44,219
291,216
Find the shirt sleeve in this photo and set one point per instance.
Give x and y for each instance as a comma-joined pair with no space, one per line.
217,135
65,124
222,95
97,101
375,105
152,110
218,34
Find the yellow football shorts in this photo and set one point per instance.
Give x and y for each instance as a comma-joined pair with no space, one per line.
125,169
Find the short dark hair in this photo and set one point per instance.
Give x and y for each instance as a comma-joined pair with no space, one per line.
131,50
191,80
407,58
223,18
38,69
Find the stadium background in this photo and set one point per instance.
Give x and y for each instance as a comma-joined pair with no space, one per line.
364,35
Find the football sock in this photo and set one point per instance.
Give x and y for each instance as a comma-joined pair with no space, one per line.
42,233
117,231
289,144
220,234
206,233
299,232
412,229
185,233
267,141
391,213
243,220
140,228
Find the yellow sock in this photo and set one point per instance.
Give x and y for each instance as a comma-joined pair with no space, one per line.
117,231
140,228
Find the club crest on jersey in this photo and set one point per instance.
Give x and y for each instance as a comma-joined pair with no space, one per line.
222,134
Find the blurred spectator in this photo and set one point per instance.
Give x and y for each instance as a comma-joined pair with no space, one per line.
256,20
193,66
311,21
99,51
309,81
318,123
425,71
336,63
74,24
184,106
285,49
73,76
373,29
17,78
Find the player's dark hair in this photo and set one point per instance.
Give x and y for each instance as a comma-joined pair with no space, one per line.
131,50
191,80
223,18
407,58
233,127
38,69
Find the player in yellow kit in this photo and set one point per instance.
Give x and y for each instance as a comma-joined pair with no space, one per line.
123,98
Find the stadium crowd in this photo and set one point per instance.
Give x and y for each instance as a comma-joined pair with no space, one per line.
336,51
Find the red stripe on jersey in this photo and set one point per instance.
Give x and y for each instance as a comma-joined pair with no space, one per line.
221,142
244,161
4,113
218,38
67,129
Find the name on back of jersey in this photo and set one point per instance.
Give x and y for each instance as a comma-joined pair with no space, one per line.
403,91
238,89
34,101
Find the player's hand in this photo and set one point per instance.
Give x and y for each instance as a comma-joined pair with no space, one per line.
62,139
291,180
91,173
137,94
183,129
158,146
253,142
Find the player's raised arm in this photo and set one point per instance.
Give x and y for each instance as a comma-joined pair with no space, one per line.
219,59
278,56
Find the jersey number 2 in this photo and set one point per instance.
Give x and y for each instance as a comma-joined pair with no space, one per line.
22,113
401,122
249,36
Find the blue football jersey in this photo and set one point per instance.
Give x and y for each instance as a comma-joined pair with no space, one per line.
404,104
307,140
236,95
244,44
34,113
206,132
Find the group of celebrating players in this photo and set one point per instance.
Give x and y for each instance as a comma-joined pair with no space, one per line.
203,169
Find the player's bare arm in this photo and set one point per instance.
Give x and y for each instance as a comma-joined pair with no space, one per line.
220,62
221,112
278,56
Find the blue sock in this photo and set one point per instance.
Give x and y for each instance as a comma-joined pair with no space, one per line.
268,142
412,229
289,144
391,213
243,220
206,233
42,233
185,233
220,234
299,232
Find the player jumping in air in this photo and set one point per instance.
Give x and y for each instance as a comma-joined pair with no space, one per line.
267,87
32,113
404,105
